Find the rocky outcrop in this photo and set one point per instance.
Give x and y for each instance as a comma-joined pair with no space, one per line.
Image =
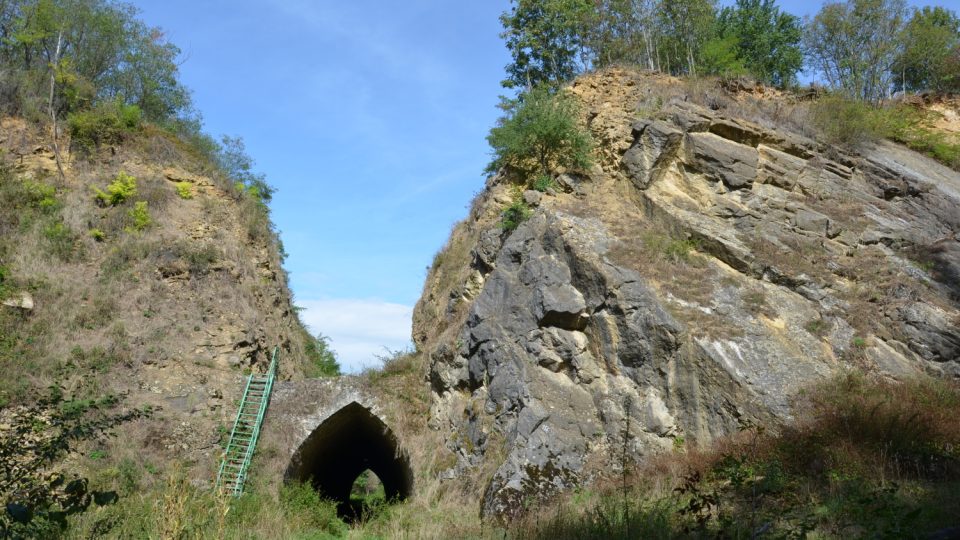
692,283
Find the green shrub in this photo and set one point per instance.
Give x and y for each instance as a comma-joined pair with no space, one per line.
42,196
97,234
323,361
4,276
123,257
543,183
140,216
540,131
185,190
122,188
105,124
60,241
817,327
200,258
302,503
911,126
514,215
846,122
667,247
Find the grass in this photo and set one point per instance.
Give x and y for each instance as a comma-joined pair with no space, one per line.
865,457
668,247
851,123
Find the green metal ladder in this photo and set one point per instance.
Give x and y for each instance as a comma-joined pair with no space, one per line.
246,430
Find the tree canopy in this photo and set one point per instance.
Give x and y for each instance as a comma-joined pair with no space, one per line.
866,49
930,57
538,132
767,40
100,52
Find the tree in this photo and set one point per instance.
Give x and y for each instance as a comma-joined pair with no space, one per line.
767,40
624,31
854,43
546,41
719,57
930,43
323,360
237,164
688,25
36,436
538,131
105,53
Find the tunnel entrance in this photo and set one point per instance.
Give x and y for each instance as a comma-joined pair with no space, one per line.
342,448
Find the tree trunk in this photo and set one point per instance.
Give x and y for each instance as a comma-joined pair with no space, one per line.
52,109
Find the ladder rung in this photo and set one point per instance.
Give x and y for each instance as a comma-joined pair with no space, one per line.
246,429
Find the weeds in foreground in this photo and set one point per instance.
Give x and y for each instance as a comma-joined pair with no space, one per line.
866,459
849,123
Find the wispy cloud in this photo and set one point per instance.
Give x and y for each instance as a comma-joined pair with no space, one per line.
359,329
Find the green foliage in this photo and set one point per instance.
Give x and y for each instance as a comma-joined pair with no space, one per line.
36,438
666,246
5,290
766,40
817,327
867,455
123,187
853,43
930,58
300,501
184,190
849,123
910,126
514,215
106,53
61,241
543,183
105,124
42,196
539,131
845,121
139,216
237,165
322,359
97,234
545,39
686,25
719,57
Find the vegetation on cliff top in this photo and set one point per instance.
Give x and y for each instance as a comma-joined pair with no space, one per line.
124,265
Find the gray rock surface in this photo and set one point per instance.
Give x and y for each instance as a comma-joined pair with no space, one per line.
690,288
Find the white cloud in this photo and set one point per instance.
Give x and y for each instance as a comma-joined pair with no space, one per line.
359,329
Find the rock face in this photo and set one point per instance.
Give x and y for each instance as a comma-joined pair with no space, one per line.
177,313
701,274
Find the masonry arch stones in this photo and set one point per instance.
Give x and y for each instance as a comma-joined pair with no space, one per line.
327,432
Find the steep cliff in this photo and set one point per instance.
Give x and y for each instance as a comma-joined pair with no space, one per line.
169,293
704,271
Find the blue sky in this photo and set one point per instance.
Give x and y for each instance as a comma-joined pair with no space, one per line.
370,118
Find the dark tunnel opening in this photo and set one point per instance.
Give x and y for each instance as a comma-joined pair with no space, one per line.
349,442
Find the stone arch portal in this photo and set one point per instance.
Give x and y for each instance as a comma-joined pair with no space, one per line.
348,442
